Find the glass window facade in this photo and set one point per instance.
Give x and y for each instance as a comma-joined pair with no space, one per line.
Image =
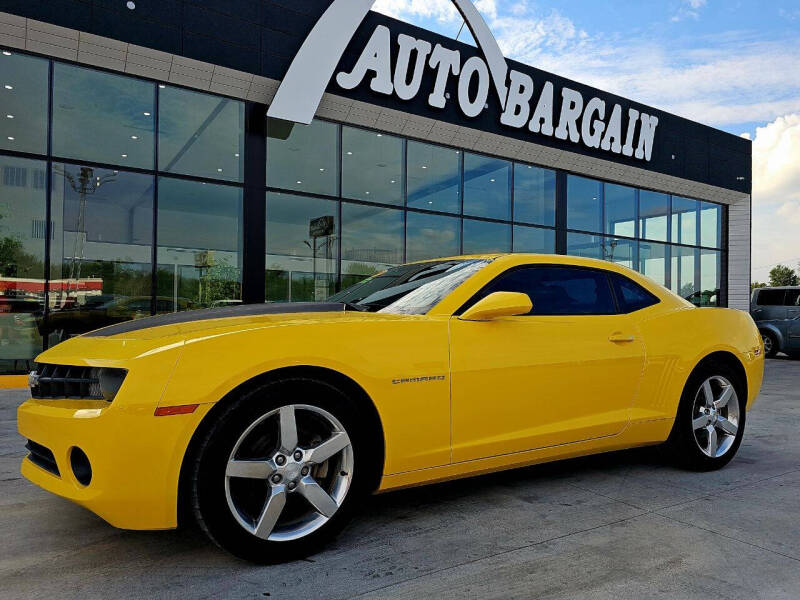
534,195
150,211
302,248
303,157
101,248
434,177
24,98
199,244
200,134
103,117
372,166
23,206
585,203
487,187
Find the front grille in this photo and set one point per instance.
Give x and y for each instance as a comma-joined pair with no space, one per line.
42,457
64,381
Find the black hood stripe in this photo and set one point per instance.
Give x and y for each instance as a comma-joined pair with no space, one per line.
209,314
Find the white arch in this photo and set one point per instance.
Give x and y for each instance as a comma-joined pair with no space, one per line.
300,93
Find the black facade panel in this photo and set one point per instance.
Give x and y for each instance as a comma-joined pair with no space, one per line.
263,36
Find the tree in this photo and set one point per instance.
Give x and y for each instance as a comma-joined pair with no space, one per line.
757,284
782,275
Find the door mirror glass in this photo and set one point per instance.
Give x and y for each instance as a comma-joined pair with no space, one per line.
499,304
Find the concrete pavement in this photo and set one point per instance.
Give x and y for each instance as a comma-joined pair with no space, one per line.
616,526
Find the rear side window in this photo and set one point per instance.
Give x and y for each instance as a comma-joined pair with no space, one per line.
557,290
770,297
792,298
630,295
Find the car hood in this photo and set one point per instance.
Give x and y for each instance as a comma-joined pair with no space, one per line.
144,337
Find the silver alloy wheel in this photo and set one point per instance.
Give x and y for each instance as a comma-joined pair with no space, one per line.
715,416
767,344
304,477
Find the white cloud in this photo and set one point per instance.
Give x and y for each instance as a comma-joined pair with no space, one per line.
689,10
776,195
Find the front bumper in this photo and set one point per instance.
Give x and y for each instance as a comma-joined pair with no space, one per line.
135,457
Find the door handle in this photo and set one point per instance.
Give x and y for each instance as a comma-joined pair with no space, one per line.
621,338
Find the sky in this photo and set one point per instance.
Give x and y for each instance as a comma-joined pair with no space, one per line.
731,64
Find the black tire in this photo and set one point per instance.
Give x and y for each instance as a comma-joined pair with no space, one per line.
208,498
794,355
683,447
770,344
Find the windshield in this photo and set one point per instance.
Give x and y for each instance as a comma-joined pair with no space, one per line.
409,289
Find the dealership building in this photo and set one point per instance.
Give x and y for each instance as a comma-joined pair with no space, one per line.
164,155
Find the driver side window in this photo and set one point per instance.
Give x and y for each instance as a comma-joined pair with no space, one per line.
556,290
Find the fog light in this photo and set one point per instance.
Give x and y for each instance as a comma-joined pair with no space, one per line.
81,467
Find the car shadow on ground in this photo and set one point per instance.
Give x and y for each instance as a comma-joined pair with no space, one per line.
401,504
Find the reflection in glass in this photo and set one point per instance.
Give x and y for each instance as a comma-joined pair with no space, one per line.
534,195
372,240
200,134
653,211
303,157
710,225
199,245
683,272
653,261
534,240
23,97
709,278
432,236
482,237
487,187
101,251
614,250
302,248
584,206
372,166
434,177
102,117
684,221
22,237
620,203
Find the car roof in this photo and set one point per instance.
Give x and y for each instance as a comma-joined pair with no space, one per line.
779,287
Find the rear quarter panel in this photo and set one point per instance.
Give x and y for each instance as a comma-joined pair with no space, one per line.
676,341
374,351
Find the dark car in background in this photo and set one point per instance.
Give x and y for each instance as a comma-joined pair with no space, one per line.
772,303
776,311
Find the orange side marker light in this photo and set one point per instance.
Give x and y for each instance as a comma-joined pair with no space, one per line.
168,411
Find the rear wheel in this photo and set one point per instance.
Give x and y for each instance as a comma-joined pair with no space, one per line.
281,472
711,417
770,344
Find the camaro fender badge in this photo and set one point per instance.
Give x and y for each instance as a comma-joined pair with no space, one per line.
33,379
418,379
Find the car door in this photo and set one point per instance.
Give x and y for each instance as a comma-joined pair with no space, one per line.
568,371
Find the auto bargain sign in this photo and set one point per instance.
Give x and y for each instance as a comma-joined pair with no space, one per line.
525,104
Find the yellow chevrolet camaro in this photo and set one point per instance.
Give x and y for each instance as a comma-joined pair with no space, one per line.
269,424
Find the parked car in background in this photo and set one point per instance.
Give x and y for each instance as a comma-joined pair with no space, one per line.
781,335
772,303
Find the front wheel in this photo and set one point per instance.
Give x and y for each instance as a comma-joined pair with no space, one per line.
280,473
710,422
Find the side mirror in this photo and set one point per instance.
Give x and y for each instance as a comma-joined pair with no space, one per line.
499,304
